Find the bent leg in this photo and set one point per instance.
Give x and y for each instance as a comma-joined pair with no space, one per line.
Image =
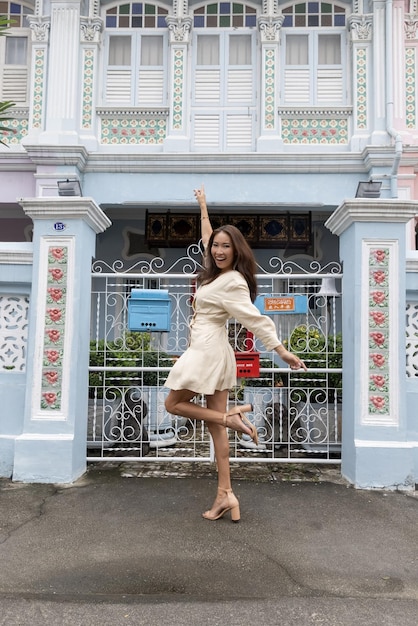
178,402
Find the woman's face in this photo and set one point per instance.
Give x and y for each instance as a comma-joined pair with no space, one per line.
222,251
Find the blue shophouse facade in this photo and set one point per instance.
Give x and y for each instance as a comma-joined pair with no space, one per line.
279,109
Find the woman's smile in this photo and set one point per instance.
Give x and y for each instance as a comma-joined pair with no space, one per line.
222,251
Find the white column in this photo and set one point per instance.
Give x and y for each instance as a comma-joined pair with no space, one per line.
91,30
178,132
270,137
40,36
361,29
63,74
379,135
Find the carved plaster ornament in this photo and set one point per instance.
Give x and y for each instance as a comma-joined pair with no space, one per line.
91,29
40,28
179,28
269,27
410,26
361,27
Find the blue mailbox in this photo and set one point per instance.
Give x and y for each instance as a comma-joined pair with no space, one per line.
149,310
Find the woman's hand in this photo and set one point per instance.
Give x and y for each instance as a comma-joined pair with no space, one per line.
291,359
205,225
200,195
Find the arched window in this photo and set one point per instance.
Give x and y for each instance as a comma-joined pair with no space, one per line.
224,15
136,54
136,15
314,54
15,54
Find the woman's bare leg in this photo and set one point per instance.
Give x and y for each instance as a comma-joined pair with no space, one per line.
217,402
225,500
178,402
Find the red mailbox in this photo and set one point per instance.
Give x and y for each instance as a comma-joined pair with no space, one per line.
248,364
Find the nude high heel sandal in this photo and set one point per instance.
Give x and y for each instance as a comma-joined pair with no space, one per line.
240,411
227,501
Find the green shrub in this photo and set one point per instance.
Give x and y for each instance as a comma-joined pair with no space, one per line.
317,351
130,350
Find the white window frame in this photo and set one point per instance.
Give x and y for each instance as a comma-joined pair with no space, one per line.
9,69
220,117
313,69
135,68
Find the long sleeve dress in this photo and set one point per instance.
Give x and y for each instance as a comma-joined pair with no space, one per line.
208,364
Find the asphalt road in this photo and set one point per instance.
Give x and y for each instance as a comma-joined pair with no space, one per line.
127,545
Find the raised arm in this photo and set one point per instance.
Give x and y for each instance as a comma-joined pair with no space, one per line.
205,225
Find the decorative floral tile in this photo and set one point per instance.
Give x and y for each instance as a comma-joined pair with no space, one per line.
130,130
361,88
410,88
178,89
53,348
38,88
17,129
88,74
378,331
269,87
315,130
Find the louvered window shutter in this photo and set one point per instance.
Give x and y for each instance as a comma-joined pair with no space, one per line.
118,86
15,70
329,86
297,86
207,131
150,87
239,132
240,86
151,72
119,72
207,86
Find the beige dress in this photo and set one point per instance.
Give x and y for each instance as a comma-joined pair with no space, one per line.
209,362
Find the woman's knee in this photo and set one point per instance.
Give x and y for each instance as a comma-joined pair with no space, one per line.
170,405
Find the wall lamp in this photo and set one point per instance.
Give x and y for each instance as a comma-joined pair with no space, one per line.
369,189
69,187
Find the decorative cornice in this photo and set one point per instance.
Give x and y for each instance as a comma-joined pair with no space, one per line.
14,256
315,112
269,27
412,261
40,27
58,155
67,208
19,112
91,29
317,161
138,112
371,210
360,27
179,28
410,26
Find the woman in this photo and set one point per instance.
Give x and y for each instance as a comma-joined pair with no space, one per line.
227,289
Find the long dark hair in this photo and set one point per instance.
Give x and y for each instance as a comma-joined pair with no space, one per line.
244,261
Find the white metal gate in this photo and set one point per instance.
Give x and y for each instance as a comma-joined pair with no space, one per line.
298,415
